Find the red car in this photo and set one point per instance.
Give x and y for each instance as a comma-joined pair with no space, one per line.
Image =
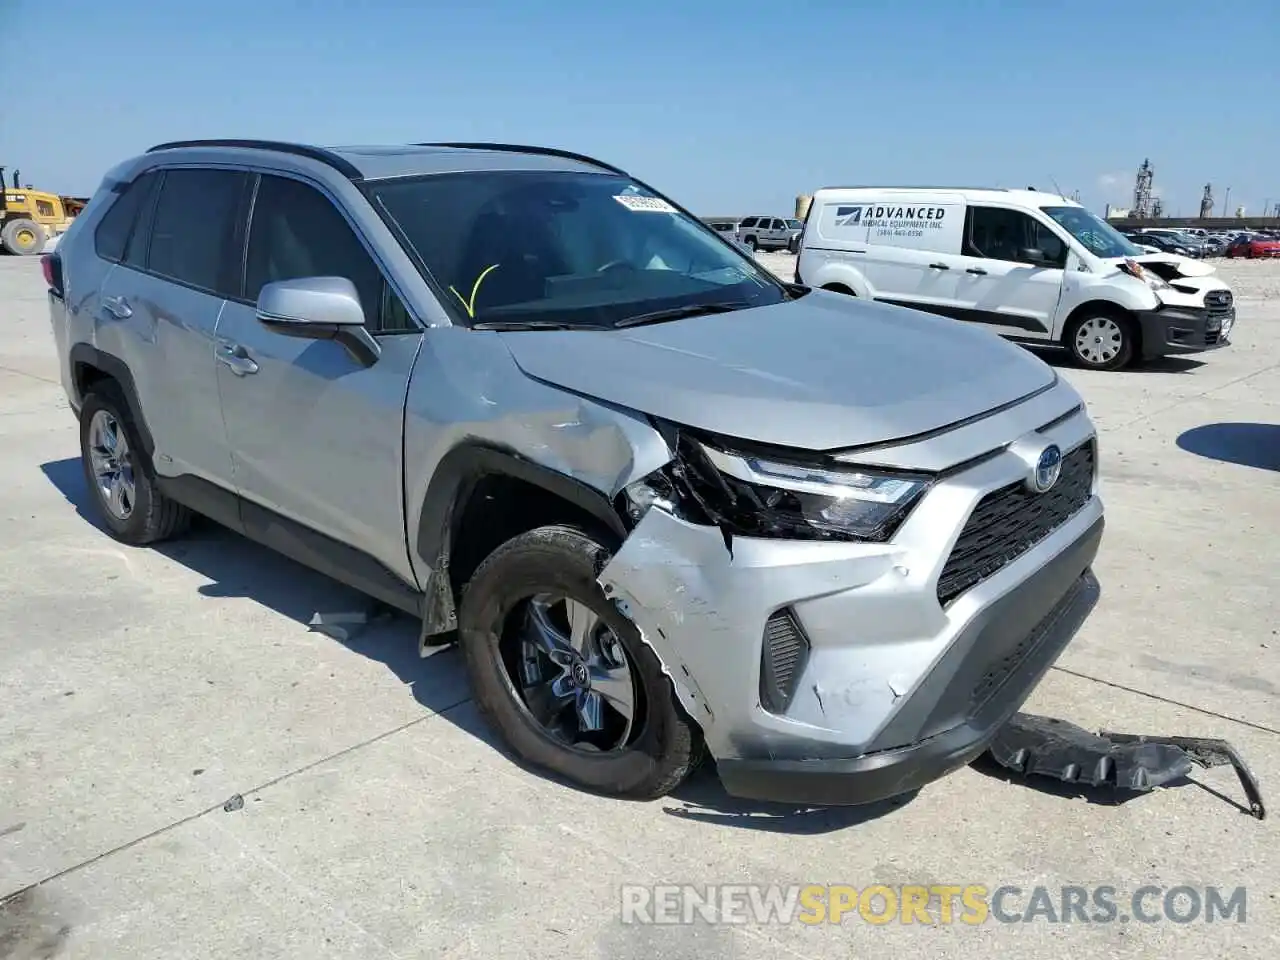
1244,246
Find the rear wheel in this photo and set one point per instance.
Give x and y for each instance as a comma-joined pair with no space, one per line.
23,237
752,243
1101,341
119,475
839,288
563,676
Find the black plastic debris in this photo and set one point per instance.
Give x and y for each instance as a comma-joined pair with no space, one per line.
1045,746
235,803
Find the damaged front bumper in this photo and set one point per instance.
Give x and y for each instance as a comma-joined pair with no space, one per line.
1044,746
1169,330
834,672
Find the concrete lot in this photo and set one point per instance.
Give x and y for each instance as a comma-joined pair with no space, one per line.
140,690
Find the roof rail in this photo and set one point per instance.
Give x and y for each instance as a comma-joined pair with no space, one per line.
521,148
327,157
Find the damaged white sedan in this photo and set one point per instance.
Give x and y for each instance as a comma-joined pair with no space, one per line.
663,501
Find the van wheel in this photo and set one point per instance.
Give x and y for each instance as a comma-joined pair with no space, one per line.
839,288
564,677
119,476
1101,341
23,237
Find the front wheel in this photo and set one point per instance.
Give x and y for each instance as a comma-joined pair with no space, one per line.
1102,342
564,677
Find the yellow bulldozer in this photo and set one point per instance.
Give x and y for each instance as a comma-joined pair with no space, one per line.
29,218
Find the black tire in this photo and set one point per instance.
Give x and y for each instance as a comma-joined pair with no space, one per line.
152,516
1091,359
839,288
565,560
23,237
753,243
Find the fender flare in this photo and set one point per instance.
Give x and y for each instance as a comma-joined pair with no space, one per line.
451,484
117,370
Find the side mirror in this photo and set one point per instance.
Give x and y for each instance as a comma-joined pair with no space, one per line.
1036,257
318,308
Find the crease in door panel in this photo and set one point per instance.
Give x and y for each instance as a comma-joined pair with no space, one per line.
222,402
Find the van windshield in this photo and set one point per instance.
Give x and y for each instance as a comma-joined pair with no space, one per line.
539,248
1099,237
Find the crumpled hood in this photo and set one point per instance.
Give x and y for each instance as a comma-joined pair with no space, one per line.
1186,266
819,373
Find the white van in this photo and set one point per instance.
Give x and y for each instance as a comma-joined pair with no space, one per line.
1033,266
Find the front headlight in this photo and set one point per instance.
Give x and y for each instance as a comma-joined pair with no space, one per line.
1139,272
753,496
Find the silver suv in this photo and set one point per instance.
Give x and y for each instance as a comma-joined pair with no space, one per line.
662,500
769,233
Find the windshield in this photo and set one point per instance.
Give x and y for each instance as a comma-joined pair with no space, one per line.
564,248
1099,237
795,225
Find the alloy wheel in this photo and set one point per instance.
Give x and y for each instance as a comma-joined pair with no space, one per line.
111,461
573,675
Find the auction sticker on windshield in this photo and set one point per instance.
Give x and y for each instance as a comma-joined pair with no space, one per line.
645,204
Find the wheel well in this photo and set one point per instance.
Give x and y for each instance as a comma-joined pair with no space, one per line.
499,507
86,376
1106,308
838,288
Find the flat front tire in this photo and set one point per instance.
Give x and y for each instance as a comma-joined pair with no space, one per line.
119,476
563,677
1101,341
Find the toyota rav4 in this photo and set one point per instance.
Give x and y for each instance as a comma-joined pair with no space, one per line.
663,501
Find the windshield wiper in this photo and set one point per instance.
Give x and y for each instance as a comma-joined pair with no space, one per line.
679,313
501,325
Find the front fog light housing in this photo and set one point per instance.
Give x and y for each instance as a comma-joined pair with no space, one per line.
756,497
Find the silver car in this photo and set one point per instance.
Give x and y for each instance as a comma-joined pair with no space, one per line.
664,502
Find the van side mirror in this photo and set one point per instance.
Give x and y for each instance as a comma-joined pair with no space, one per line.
318,308
1036,257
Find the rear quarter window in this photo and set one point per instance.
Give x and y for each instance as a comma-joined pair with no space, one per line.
112,234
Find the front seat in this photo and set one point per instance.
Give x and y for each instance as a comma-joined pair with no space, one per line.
520,245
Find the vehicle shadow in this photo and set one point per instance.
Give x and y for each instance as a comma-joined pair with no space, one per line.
237,567
1060,358
1246,444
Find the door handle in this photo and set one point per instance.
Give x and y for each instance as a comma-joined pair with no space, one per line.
938,266
978,270
118,307
236,359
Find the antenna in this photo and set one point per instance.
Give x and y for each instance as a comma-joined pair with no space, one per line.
1056,187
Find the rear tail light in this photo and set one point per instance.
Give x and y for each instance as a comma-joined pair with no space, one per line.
51,264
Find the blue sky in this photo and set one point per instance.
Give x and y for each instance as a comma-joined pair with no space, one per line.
731,107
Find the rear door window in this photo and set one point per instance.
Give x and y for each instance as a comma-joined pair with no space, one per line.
749,222
193,227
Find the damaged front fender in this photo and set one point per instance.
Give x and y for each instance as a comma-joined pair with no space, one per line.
702,608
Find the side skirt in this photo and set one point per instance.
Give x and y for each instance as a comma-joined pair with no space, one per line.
321,553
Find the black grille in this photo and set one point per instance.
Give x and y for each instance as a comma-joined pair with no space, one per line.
786,649
1010,521
1218,302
